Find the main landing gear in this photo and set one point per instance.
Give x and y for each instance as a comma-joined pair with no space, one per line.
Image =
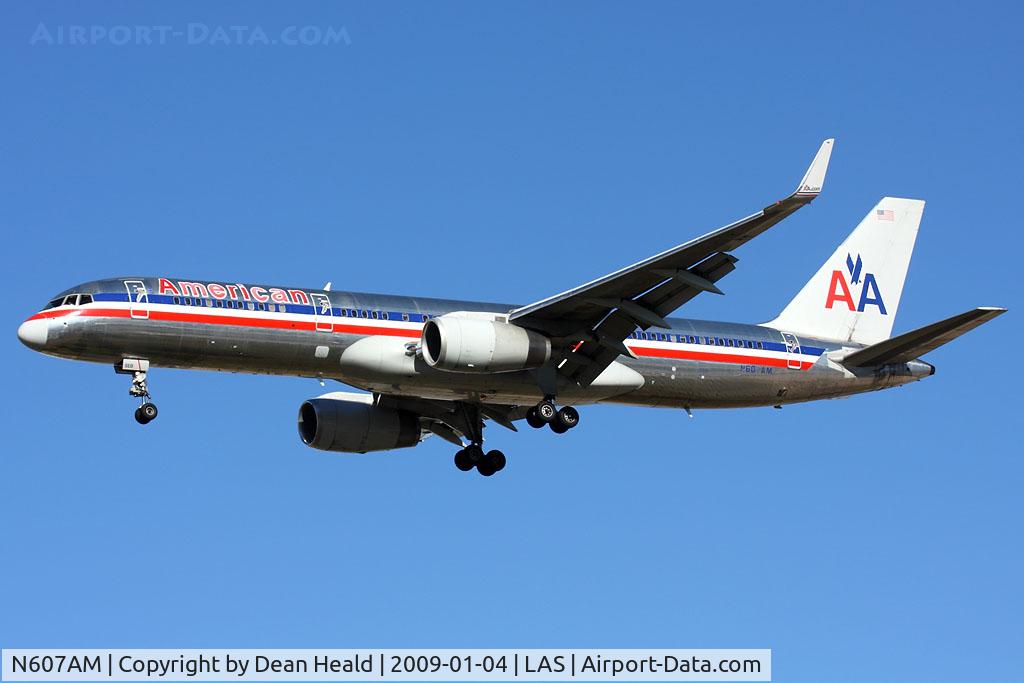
560,420
138,369
473,455
486,464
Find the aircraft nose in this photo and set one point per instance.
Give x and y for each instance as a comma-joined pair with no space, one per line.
33,333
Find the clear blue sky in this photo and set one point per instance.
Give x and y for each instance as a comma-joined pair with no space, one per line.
504,151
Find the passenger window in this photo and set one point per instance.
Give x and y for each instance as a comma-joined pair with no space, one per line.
373,314
384,315
405,317
760,345
365,313
251,306
343,312
176,301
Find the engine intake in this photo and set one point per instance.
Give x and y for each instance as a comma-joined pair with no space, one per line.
459,344
351,423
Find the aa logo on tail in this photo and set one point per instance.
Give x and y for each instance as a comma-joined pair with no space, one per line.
840,292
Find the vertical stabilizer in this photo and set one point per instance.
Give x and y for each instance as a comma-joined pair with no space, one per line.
855,294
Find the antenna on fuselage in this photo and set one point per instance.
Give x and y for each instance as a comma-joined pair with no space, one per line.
327,287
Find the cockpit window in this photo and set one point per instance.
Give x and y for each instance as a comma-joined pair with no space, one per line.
54,304
71,300
84,299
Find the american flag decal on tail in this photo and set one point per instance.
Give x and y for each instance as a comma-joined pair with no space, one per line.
884,214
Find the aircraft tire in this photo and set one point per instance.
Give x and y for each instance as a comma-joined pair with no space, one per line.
568,417
149,411
533,419
546,411
474,454
496,460
558,427
462,461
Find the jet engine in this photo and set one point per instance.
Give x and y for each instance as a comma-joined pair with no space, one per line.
464,344
352,423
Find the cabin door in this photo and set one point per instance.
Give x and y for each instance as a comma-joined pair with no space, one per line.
138,299
793,360
322,312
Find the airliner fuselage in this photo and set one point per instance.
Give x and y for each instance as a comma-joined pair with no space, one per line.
370,341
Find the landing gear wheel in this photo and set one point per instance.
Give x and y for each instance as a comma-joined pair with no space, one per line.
533,419
558,428
145,413
149,411
567,417
495,461
462,461
546,411
474,454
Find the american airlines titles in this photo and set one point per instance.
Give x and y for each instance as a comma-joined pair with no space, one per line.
213,290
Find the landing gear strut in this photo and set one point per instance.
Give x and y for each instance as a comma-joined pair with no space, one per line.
138,369
560,420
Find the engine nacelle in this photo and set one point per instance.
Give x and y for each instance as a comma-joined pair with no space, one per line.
459,344
351,423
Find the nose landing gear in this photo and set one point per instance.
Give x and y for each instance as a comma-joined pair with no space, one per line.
138,369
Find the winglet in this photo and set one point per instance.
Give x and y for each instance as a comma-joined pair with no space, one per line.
814,179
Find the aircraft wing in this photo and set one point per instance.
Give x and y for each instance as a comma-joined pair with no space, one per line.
591,322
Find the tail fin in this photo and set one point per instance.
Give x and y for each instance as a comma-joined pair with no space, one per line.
855,294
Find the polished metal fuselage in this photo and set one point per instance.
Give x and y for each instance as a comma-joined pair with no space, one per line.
347,338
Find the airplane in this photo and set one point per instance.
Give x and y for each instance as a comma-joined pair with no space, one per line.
447,368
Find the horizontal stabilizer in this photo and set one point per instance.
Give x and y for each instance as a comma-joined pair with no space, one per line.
910,345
